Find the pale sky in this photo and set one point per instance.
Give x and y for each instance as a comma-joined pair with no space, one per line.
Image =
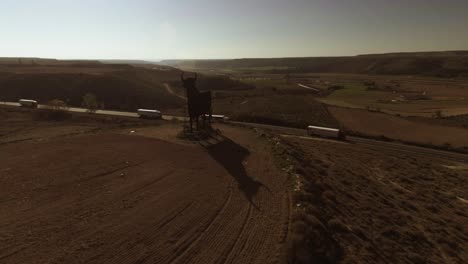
214,29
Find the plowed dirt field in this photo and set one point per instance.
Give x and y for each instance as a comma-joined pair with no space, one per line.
113,198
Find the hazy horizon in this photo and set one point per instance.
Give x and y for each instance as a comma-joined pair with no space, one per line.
209,29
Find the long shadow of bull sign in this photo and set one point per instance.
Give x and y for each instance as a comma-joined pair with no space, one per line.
198,103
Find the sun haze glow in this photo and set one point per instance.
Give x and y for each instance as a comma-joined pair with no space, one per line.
209,29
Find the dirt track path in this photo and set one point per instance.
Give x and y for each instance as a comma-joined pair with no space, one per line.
169,90
127,199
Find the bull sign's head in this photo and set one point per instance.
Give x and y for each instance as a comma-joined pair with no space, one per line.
188,82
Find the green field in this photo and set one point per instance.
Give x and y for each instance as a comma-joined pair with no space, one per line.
357,96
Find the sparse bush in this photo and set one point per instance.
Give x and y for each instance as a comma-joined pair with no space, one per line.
55,110
90,103
57,105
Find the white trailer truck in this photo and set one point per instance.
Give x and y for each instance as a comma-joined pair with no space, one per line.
218,118
28,103
326,132
148,113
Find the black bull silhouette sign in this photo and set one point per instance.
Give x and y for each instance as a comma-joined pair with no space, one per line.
199,103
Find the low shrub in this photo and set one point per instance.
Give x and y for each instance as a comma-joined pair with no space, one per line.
55,110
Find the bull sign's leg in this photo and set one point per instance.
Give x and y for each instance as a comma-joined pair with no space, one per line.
210,117
191,125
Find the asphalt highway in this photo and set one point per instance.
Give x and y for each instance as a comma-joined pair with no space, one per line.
411,149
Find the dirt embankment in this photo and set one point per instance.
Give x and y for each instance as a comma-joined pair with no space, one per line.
359,204
101,197
380,124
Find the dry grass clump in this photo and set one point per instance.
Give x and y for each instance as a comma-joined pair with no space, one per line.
55,110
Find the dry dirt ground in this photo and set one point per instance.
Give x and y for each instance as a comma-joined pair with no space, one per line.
372,205
117,196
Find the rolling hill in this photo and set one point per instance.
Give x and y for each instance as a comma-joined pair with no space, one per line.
440,64
118,87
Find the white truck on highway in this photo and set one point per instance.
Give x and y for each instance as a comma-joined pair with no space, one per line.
326,132
148,113
219,118
28,103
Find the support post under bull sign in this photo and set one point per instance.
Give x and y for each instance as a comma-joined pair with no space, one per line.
198,103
